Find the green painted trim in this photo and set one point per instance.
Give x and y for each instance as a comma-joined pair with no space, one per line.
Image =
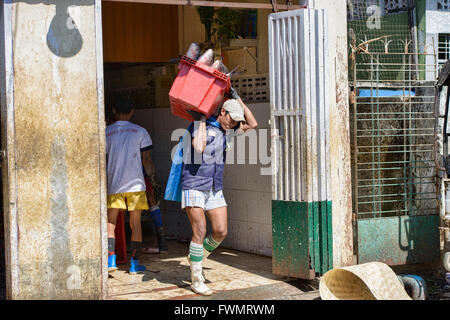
330,235
290,236
316,226
311,238
302,238
399,240
323,236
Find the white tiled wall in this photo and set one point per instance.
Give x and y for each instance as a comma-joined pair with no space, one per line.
248,194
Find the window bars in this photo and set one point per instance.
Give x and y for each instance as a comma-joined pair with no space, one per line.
443,48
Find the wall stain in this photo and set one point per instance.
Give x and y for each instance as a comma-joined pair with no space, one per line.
59,251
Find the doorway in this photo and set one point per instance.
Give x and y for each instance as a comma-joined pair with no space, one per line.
147,73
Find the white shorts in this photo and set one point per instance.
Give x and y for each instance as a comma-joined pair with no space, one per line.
205,199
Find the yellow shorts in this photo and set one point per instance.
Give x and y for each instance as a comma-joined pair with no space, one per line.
132,200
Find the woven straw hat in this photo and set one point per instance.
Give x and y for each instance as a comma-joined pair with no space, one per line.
369,281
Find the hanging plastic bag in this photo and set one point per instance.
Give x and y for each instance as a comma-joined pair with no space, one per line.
173,186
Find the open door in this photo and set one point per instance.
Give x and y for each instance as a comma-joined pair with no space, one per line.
301,197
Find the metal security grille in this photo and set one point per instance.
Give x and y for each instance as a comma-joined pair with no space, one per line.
393,136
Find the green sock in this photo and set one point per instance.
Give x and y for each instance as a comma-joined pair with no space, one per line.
210,244
195,252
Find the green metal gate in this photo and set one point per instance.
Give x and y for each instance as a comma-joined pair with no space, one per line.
394,177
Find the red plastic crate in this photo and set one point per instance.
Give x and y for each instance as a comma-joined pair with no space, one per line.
197,87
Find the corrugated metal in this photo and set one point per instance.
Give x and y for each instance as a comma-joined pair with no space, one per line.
300,149
299,110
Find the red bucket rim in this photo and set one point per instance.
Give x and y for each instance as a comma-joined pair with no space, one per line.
204,67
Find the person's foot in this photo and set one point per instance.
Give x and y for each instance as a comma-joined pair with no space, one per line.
135,266
203,277
112,266
150,250
197,280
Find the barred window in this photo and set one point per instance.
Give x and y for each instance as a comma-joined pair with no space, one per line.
443,48
443,5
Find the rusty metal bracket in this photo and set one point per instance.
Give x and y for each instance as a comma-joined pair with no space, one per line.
274,5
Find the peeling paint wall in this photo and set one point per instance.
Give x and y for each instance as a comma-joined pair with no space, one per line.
339,131
55,146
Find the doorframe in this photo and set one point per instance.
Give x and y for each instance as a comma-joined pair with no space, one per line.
222,4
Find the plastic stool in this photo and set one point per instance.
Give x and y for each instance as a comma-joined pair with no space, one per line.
121,243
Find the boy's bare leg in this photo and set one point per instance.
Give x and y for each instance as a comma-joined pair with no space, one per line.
136,241
112,221
135,225
198,223
219,223
197,218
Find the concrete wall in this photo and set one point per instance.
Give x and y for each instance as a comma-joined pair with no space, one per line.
248,194
190,29
339,130
436,21
53,134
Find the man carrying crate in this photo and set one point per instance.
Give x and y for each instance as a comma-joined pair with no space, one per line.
202,181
